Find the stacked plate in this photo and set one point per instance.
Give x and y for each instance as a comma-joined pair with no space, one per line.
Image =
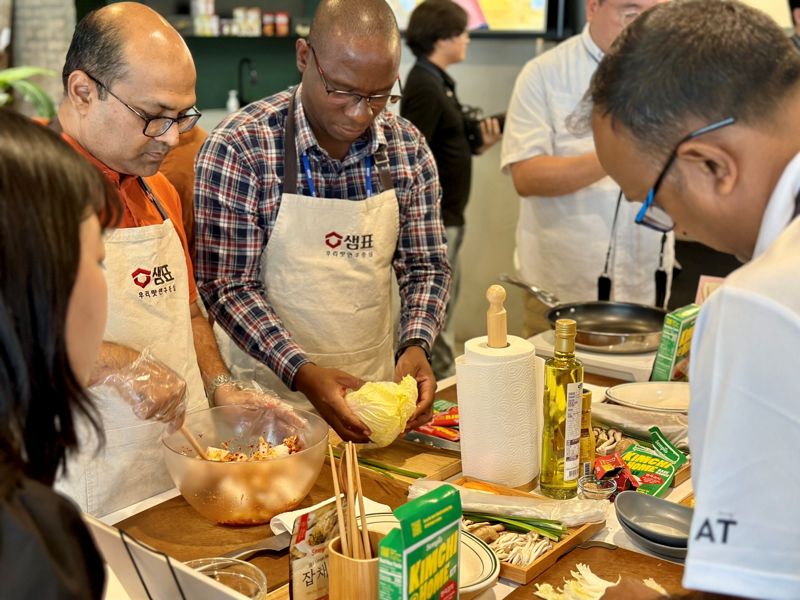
657,525
658,396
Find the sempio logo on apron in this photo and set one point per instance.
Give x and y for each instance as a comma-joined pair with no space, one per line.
349,246
160,277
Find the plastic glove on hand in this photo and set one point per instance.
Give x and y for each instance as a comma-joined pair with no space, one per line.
252,394
153,390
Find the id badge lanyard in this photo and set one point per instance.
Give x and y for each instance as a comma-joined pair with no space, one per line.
605,283
312,190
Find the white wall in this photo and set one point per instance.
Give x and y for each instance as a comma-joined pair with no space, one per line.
486,79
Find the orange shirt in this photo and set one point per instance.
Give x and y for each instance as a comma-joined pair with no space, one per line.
178,167
138,210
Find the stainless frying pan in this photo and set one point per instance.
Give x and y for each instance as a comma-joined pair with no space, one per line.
609,327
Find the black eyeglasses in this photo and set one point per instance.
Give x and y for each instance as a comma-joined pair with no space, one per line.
156,126
651,215
342,98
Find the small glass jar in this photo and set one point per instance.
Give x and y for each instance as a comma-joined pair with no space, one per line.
244,577
591,488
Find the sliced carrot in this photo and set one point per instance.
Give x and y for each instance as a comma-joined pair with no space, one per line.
477,485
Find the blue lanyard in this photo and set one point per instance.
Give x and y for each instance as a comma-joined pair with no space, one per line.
310,180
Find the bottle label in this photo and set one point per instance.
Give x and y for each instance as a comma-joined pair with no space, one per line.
572,431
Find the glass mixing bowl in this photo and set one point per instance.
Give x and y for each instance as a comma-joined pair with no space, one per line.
245,493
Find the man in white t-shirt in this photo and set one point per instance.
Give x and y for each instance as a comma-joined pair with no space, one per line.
706,132
567,201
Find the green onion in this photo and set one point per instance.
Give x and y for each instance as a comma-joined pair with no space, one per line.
550,529
382,467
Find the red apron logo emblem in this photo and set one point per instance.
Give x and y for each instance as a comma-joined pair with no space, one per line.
141,277
333,240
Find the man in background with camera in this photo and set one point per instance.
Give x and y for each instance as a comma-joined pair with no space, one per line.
566,236
437,35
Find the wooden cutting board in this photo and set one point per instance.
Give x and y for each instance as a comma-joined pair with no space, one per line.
609,564
177,529
434,463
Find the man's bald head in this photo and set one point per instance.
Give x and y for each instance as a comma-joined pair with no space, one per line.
335,20
108,40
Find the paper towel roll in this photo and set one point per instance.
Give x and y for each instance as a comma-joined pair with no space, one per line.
497,408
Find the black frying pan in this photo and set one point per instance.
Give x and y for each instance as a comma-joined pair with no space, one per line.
613,327
609,327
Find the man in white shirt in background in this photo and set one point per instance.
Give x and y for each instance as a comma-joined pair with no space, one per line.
706,130
567,201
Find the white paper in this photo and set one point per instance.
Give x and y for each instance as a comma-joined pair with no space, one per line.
285,521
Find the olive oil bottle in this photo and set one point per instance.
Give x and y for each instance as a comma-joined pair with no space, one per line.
561,428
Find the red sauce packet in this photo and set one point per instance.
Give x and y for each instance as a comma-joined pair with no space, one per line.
440,432
612,466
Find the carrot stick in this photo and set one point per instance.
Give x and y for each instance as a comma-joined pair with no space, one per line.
360,494
339,511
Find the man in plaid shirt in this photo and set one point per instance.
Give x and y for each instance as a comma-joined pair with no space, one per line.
306,202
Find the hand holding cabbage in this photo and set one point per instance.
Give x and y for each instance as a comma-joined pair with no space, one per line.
384,407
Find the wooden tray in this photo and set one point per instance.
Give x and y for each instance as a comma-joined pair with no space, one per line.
524,575
610,564
683,473
177,529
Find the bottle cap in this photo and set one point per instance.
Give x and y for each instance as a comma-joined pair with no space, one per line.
566,328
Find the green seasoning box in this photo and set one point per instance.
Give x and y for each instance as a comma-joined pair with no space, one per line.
654,468
419,560
672,359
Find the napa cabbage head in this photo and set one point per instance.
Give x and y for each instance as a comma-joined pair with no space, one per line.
385,407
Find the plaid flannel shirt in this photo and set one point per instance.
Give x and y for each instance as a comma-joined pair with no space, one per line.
238,187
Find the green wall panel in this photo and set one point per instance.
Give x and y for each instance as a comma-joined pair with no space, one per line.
217,62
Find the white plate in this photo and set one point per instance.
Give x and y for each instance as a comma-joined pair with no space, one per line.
659,396
478,568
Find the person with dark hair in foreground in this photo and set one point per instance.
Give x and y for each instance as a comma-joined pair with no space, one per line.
437,35
52,314
306,204
705,133
129,94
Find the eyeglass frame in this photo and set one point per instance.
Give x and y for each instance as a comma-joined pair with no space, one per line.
648,206
150,118
385,98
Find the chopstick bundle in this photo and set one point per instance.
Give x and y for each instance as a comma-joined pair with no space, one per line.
347,481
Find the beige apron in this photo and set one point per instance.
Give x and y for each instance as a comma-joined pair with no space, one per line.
327,270
148,306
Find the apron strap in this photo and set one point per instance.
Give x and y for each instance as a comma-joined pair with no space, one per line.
290,156
290,151
382,162
153,198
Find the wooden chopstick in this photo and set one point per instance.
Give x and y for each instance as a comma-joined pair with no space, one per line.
339,511
193,441
360,494
358,551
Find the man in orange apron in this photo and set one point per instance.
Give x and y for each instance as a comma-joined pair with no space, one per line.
129,93
308,202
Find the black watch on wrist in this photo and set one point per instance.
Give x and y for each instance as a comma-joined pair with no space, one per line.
413,342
